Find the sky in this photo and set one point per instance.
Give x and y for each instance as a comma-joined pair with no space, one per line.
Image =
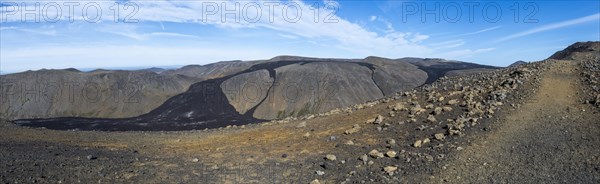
155,33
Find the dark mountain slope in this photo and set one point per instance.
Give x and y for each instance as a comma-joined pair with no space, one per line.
283,86
575,48
101,93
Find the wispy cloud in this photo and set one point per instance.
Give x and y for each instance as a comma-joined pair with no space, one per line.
589,18
130,31
345,34
479,31
340,36
146,36
42,31
465,53
372,18
448,44
288,36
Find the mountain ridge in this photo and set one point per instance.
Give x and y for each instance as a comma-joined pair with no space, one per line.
320,84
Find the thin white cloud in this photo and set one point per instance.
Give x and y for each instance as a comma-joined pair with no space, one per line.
448,44
162,26
130,31
372,18
146,36
479,31
8,28
172,34
418,38
465,53
43,31
288,36
577,21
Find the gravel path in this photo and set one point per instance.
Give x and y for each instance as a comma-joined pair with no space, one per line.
552,139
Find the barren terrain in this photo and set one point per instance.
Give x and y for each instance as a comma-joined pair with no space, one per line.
534,123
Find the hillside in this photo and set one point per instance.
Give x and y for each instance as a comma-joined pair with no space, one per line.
238,93
100,93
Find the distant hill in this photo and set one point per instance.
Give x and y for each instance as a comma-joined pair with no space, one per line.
579,47
517,63
100,93
154,69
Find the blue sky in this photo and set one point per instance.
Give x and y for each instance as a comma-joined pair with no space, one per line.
167,33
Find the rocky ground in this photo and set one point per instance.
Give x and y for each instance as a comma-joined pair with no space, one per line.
534,123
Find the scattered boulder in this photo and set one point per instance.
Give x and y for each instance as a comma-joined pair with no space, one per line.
498,94
429,158
431,119
437,111
316,181
418,144
417,110
391,141
398,107
453,102
332,138
306,135
364,158
375,154
439,136
301,124
91,157
390,169
426,140
355,128
447,109
376,120
330,157
379,119
320,173
391,154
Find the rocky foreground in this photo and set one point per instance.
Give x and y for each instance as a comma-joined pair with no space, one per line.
533,123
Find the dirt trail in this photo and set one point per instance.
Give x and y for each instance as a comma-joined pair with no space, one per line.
551,139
